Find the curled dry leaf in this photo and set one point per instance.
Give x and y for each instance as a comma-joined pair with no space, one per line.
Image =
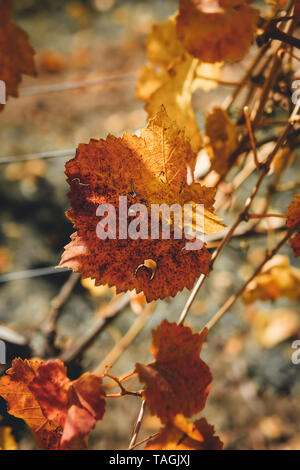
151,169
150,265
170,78
218,30
223,138
293,219
16,54
182,435
178,382
277,279
60,412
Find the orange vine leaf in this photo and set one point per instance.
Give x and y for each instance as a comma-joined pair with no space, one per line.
60,412
182,435
16,54
293,219
223,139
178,382
216,30
150,169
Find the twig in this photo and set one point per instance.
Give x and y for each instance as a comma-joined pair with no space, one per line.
108,312
143,441
218,81
48,327
119,348
264,169
123,392
272,32
229,101
138,424
234,297
251,136
272,76
263,216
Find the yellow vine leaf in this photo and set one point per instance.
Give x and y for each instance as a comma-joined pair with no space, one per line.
171,77
278,279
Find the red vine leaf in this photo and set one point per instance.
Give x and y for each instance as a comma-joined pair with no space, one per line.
295,244
178,381
293,219
216,30
16,54
293,212
151,169
60,412
182,435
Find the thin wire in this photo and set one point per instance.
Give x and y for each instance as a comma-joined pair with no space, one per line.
44,89
31,273
37,156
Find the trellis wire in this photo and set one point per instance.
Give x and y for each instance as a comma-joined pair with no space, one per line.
31,273
56,87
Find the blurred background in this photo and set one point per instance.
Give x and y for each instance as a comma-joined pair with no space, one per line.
254,401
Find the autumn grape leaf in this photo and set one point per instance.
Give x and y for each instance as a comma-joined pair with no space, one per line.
182,435
293,219
178,382
150,169
293,212
295,244
60,412
217,30
171,77
277,279
16,54
223,139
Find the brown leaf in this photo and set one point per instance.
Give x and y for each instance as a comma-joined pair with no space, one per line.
16,54
295,244
223,140
293,219
293,212
178,381
218,30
